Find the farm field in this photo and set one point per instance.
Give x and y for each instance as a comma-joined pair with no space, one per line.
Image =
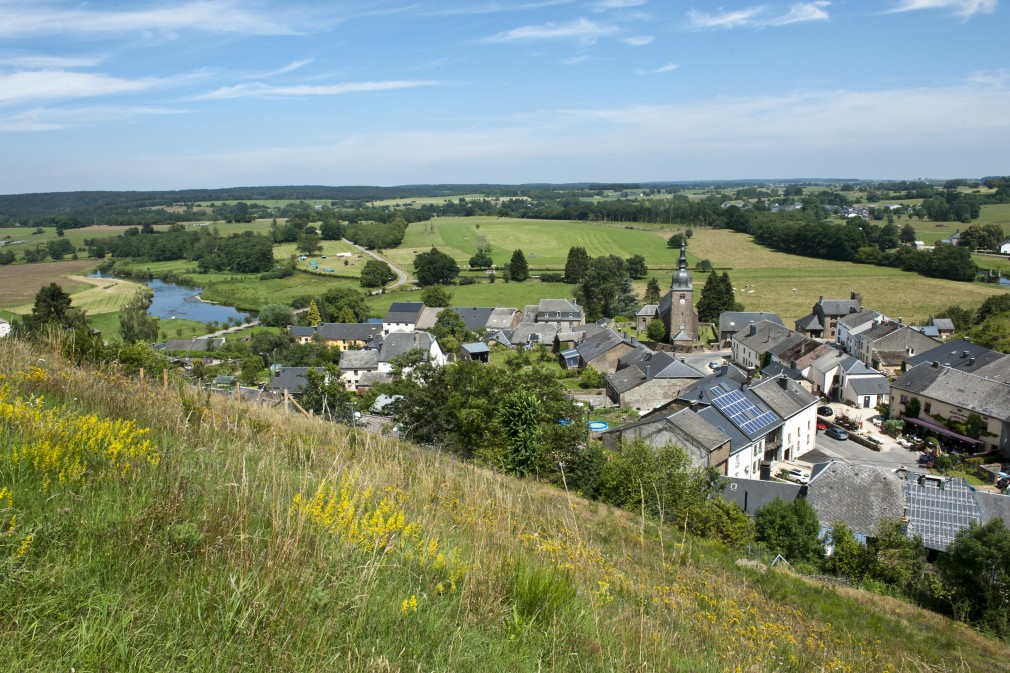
766,280
20,282
544,242
355,263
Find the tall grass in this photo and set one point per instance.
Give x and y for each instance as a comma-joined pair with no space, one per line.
264,541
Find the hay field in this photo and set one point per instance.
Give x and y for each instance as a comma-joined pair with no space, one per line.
20,282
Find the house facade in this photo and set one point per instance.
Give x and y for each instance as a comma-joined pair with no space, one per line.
822,322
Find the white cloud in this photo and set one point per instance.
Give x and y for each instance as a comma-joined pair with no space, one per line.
741,17
57,62
575,60
604,5
669,67
496,7
995,78
803,12
20,87
962,8
22,20
581,30
759,16
290,67
49,119
638,40
260,90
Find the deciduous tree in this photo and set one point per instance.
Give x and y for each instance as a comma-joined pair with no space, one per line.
435,267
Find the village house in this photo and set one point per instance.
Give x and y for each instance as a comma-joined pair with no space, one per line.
848,327
705,445
603,350
195,344
944,327
5,328
886,346
646,379
561,313
797,408
402,316
822,321
750,346
289,379
356,364
955,395
731,322
645,315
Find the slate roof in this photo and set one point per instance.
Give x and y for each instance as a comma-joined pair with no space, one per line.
291,379
733,321
475,317
398,343
598,344
301,331
476,348
649,309
750,494
784,395
838,307
942,324
858,495
521,334
830,361
939,507
858,318
971,392
404,312
870,385
801,353
558,309
998,370
348,331
958,354
625,379
363,359
766,335
369,379
778,369
809,323
698,437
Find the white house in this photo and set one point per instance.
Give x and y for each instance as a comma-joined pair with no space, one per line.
5,328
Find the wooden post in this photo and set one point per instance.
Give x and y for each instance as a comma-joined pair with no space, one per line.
164,378
141,374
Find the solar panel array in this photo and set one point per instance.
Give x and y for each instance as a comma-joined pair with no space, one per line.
939,508
741,412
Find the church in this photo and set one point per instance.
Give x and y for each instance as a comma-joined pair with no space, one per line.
676,308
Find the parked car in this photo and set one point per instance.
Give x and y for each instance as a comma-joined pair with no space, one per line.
821,425
795,476
837,433
715,364
825,411
926,460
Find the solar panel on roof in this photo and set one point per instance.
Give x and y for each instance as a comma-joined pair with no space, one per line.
743,413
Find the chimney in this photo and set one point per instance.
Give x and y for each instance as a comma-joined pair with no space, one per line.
965,354
752,330
683,360
936,364
750,375
647,371
971,361
784,383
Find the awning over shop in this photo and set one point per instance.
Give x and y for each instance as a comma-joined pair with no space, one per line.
940,430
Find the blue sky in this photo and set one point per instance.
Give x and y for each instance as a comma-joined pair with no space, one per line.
174,94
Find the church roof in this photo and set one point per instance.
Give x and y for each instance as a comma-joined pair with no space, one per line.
682,277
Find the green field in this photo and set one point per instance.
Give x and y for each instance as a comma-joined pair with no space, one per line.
544,242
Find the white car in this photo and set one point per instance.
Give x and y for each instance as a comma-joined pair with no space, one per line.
795,476
715,364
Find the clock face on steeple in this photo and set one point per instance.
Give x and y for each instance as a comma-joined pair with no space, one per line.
682,300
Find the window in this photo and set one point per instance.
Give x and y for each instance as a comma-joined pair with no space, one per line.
904,399
926,407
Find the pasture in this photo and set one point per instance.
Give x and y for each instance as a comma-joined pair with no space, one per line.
544,242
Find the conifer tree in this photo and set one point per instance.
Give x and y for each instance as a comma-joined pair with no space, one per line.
518,268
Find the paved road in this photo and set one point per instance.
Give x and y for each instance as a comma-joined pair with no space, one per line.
857,454
399,272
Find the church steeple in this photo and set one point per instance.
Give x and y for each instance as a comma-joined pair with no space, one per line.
682,277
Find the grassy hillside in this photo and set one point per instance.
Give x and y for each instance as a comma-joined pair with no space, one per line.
205,534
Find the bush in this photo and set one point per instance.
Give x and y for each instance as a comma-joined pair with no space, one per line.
552,278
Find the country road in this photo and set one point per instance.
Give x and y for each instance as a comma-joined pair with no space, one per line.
399,272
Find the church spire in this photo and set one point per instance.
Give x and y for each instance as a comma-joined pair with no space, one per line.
682,277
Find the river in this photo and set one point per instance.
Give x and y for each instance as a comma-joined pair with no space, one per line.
177,301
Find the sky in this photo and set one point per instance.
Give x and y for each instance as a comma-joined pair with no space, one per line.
178,94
